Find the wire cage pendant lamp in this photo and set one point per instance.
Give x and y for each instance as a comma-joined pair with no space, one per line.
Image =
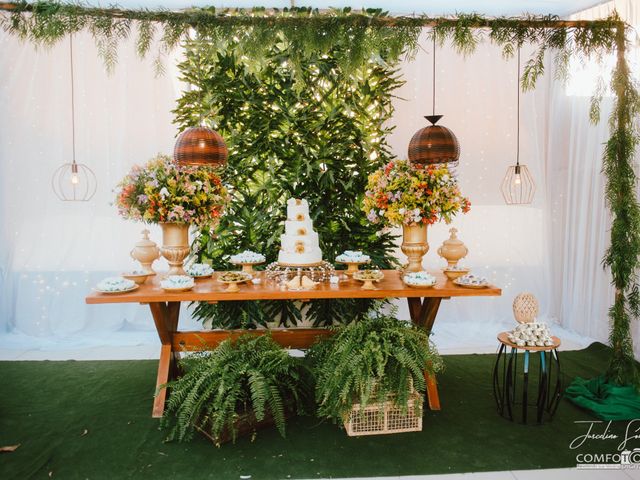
434,143
518,186
73,182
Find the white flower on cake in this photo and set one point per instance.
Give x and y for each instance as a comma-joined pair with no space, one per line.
247,257
353,256
300,244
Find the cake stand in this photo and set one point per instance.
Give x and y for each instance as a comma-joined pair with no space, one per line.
368,277
247,267
318,272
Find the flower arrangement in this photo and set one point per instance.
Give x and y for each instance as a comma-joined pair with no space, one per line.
161,191
401,194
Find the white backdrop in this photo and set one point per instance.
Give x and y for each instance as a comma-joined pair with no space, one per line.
53,252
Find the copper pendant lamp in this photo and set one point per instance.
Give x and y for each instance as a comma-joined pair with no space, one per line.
518,186
73,182
200,146
434,143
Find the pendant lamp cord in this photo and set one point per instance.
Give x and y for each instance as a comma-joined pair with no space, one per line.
73,106
518,120
434,74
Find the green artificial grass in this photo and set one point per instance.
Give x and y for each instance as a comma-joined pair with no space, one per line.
93,420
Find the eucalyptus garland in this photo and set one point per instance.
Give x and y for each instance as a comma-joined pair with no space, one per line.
356,38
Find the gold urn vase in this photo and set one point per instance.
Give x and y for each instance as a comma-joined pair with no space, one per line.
175,246
414,245
453,249
146,252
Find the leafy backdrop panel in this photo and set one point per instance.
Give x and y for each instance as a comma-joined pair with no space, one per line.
318,142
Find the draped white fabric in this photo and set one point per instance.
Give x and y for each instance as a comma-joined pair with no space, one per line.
53,252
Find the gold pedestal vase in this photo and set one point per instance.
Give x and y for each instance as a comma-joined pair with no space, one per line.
175,246
414,245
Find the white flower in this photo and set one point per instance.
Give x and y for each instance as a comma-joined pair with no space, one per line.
401,211
164,192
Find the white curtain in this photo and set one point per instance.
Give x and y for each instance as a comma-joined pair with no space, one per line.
54,252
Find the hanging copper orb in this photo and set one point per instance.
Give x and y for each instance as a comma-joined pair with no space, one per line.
200,146
433,144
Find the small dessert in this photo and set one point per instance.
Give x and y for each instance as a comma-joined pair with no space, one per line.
419,279
177,283
138,276
368,277
228,277
472,281
116,285
199,270
247,256
353,256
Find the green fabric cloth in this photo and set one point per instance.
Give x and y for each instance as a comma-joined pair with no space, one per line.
605,400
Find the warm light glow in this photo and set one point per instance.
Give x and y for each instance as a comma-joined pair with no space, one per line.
202,144
75,179
517,180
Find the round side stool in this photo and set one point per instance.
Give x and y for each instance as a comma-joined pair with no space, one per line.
546,389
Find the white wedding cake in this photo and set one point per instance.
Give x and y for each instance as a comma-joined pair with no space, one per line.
299,244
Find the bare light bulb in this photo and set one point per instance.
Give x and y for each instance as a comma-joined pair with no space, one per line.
517,180
202,144
74,178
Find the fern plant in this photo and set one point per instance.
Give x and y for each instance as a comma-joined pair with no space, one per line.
251,376
366,361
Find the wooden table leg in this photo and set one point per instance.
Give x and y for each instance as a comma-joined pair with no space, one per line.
165,317
423,314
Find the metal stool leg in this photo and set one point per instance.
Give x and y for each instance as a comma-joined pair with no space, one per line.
525,387
542,387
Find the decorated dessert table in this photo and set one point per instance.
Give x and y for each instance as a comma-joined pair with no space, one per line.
165,307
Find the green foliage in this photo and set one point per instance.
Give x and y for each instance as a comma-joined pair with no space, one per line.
366,361
357,36
243,42
251,375
623,255
320,143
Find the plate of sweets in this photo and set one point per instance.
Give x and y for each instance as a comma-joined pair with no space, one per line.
233,279
419,279
247,259
471,281
368,277
199,270
352,258
116,285
177,283
455,271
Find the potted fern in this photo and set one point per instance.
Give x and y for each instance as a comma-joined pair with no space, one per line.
371,368
235,389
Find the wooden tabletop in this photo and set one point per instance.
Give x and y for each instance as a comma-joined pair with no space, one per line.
209,289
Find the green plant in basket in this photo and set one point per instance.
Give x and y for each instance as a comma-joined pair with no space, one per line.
366,362
161,191
402,194
249,380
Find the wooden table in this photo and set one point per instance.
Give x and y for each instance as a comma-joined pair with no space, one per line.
165,308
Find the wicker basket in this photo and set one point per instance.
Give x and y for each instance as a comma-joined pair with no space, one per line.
382,418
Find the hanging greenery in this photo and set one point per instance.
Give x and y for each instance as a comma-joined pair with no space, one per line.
318,143
623,255
351,40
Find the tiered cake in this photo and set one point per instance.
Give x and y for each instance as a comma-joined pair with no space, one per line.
299,244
